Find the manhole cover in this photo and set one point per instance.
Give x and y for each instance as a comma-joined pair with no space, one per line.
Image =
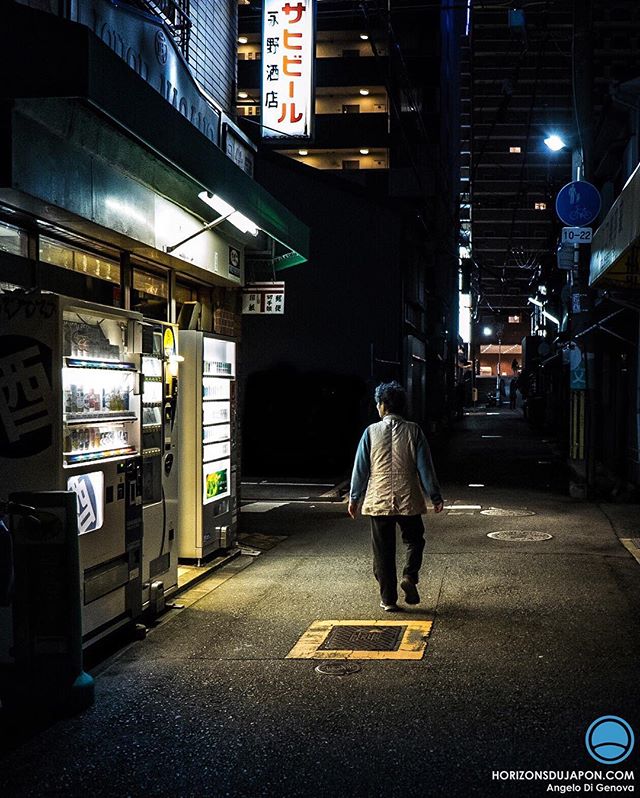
337,668
519,535
364,638
505,513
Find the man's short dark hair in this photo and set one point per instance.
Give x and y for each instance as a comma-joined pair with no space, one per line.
393,396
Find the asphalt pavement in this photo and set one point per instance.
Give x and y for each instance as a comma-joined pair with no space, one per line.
534,637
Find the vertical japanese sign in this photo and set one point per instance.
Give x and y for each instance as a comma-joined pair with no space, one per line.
288,55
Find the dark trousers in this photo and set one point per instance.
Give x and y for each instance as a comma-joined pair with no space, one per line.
383,541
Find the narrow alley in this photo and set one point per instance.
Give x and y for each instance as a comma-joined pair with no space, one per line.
535,635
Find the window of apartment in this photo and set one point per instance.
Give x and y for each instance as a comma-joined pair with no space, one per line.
514,319
515,149
540,206
248,110
150,293
61,254
13,240
351,164
350,109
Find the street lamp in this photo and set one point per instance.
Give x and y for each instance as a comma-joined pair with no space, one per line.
555,142
487,331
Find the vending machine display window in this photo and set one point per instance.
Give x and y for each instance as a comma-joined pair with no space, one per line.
213,434
98,385
152,401
216,451
218,367
218,358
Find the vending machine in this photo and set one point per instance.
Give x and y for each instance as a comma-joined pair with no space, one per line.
207,456
70,416
159,463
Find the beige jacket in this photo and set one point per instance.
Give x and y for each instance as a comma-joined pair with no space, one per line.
393,486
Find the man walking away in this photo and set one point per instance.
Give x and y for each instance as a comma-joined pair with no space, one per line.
392,474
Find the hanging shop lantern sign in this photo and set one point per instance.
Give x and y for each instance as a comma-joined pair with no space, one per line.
288,56
263,298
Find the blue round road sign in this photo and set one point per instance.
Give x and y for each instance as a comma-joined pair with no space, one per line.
578,203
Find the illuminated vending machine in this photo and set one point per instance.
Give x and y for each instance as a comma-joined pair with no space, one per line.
207,420
159,463
70,409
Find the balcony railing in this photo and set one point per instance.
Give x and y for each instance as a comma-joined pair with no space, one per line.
175,15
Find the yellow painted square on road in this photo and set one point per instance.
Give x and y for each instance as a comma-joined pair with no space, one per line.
397,640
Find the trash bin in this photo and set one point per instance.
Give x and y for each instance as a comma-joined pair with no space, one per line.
45,669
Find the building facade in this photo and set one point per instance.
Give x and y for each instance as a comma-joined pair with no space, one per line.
385,136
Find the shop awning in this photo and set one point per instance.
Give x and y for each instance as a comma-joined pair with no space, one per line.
70,82
615,254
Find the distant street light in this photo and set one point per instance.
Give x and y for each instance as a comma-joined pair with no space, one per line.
555,143
487,331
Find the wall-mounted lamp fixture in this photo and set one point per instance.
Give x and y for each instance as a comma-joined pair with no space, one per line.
237,219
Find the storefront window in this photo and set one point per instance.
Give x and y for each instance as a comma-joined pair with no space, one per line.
13,240
150,293
184,293
77,260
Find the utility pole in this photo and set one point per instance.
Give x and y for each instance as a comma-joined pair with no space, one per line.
582,411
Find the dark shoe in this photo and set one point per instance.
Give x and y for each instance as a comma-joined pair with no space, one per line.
410,591
390,607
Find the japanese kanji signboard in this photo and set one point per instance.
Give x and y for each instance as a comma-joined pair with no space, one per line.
288,54
263,298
